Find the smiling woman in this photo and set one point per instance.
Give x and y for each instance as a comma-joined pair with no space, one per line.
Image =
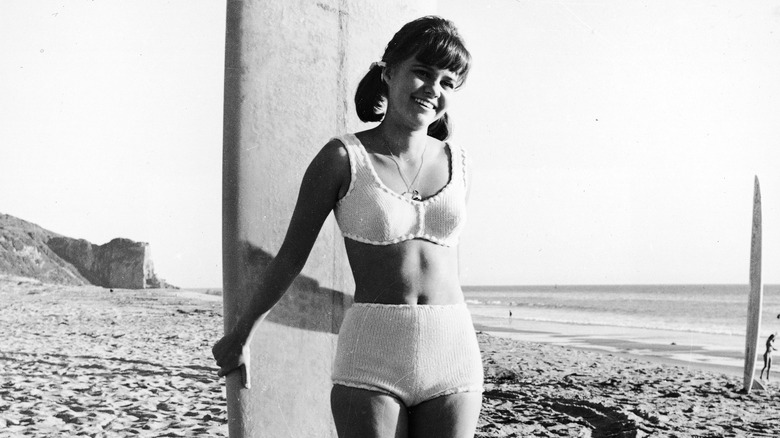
407,361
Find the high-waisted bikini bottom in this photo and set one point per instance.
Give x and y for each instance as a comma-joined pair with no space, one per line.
412,352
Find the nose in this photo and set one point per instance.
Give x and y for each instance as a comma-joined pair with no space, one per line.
433,89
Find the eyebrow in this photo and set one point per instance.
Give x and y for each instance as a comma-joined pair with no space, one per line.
452,75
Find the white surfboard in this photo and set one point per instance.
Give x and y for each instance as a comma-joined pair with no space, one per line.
756,297
291,69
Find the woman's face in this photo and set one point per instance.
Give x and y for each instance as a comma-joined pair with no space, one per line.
418,94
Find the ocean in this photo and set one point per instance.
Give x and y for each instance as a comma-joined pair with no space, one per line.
697,324
692,325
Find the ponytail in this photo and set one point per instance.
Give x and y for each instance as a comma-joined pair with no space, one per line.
370,95
441,128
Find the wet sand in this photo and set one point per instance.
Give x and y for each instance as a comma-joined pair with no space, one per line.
718,352
87,361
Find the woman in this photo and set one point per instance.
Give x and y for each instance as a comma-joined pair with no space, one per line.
770,348
407,362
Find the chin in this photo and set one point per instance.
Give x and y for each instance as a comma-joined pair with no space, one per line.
425,120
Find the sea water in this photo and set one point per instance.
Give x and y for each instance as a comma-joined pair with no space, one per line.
698,323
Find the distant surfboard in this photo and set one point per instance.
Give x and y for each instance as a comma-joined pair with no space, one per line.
756,297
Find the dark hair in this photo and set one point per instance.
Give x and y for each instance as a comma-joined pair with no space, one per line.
431,40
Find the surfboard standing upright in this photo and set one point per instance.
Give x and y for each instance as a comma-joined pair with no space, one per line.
756,296
290,71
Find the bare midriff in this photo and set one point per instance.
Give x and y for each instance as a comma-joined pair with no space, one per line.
410,272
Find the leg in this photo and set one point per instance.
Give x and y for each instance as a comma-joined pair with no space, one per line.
768,367
449,416
362,413
761,376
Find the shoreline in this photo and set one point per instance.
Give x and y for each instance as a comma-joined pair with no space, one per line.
735,371
626,349
653,352
722,353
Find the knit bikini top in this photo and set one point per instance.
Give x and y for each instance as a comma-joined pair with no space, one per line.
372,213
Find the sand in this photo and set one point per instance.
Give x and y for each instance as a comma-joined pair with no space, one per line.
90,362
547,390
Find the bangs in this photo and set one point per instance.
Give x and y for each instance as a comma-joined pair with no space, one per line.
445,52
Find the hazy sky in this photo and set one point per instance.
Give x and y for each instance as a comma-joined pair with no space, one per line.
112,125
613,141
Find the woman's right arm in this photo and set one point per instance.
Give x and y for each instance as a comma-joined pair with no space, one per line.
326,177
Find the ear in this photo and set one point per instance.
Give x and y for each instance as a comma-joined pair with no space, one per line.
386,74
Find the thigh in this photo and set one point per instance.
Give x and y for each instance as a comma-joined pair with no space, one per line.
362,413
450,416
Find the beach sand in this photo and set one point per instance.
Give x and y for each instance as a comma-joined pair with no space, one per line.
87,361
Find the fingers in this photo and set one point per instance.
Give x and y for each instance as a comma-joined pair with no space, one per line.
218,351
231,356
224,359
247,357
245,379
224,370
232,360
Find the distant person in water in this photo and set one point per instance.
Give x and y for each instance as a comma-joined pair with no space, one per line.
770,347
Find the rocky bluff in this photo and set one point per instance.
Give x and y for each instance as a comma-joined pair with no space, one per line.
28,250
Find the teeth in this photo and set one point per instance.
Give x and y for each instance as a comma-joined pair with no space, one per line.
424,103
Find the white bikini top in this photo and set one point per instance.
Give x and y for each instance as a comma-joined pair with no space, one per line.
370,212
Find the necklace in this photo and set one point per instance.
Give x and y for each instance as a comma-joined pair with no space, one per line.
410,192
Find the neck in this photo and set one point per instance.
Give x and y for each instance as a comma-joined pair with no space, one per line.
402,141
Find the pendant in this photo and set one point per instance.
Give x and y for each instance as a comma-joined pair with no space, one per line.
414,194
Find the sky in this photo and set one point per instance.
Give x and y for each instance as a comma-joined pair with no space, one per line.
611,141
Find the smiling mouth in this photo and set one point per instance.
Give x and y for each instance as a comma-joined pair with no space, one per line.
424,103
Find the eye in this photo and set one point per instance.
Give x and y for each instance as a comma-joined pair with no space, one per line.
423,74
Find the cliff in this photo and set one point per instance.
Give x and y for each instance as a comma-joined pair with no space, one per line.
120,263
24,253
27,250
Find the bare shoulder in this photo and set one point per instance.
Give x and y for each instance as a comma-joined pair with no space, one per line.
334,153
330,169
332,157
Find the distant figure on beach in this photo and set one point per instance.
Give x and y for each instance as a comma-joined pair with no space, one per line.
407,361
770,347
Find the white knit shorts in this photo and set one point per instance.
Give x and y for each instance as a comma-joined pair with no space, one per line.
412,352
